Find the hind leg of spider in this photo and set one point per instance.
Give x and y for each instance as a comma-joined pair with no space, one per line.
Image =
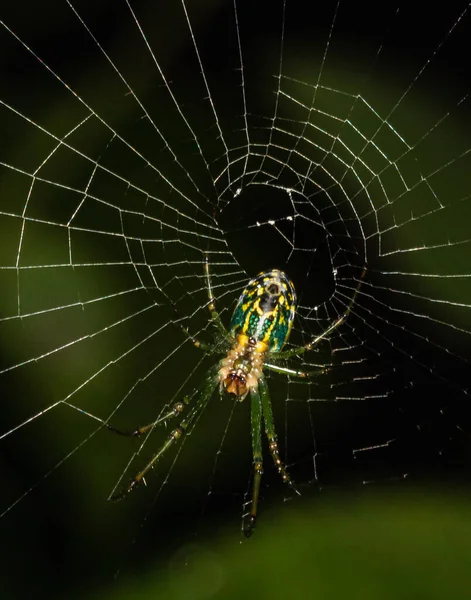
248,519
201,397
271,433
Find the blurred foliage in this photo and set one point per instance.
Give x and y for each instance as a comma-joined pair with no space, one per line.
371,547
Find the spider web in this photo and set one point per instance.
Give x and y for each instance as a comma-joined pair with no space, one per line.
137,140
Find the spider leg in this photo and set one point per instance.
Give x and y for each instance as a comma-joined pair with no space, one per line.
248,519
261,403
212,309
271,433
295,373
310,345
176,409
201,395
212,303
214,314
193,339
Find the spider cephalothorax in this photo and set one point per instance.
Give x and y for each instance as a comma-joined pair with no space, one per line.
242,366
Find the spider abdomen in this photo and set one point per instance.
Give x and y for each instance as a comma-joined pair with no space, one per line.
266,309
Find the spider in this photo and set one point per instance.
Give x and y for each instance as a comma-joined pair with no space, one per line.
258,331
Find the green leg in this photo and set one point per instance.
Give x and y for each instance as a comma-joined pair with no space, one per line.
314,341
271,434
256,416
194,340
294,373
176,409
212,304
201,395
212,309
328,331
